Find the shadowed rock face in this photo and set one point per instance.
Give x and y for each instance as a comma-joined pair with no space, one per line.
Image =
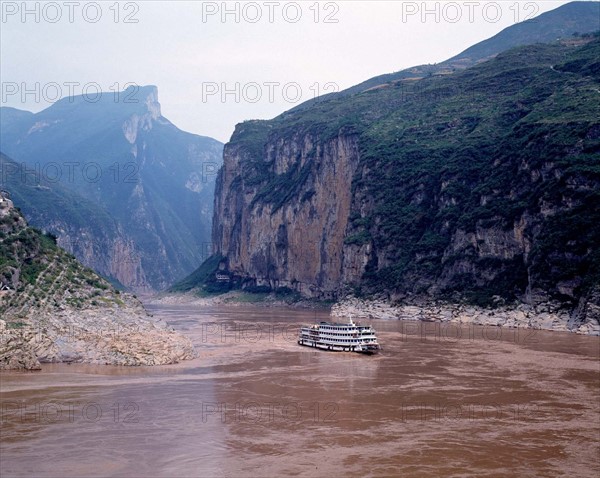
52,309
299,244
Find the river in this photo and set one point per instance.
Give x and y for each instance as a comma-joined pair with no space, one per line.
438,401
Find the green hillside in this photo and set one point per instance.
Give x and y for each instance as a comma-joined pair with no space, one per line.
573,18
38,275
482,185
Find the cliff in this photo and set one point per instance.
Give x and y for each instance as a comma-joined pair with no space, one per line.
140,190
52,309
479,187
287,227
83,228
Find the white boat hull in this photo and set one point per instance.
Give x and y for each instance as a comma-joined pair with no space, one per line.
339,348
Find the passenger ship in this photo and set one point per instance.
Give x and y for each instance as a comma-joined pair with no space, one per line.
348,337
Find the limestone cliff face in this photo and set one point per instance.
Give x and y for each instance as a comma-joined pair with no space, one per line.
301,236
297,243
117,257
143,120
488,251
488,197
102,245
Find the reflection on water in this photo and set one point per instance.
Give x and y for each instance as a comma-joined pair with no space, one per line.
438,401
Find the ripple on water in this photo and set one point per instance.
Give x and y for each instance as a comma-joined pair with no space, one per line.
470,406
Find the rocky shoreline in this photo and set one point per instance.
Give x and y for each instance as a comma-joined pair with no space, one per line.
128,335
544,317
585,320
98,336
52,309
234,298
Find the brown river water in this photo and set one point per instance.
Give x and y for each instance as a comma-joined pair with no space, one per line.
438,401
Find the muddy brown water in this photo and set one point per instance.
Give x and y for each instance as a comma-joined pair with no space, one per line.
438,401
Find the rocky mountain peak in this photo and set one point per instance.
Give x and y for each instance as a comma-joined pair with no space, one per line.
147,95
140,157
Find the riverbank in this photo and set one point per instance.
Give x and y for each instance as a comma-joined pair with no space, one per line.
553,317
117,335
543,317
237,298
128,335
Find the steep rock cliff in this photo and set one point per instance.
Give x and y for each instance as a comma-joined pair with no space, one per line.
284,227
482,187
82,227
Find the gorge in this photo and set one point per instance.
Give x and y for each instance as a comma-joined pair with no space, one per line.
135,191
473,185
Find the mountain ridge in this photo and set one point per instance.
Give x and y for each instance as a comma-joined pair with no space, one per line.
121,154
573,17
476,187
82,227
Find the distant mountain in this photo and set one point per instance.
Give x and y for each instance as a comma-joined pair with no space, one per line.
563,22
10,116
151,182
480,186
571,19
81,226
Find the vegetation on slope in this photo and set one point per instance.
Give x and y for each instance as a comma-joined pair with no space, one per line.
38,275
511,143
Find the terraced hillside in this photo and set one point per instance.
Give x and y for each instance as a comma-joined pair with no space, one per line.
53,309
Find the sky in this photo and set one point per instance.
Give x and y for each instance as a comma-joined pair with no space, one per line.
217,64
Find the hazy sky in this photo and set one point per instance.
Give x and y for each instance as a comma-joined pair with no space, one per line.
219,63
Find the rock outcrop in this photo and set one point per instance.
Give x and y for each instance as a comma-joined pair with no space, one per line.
52,309
293,236
17,351
119,335
543,317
